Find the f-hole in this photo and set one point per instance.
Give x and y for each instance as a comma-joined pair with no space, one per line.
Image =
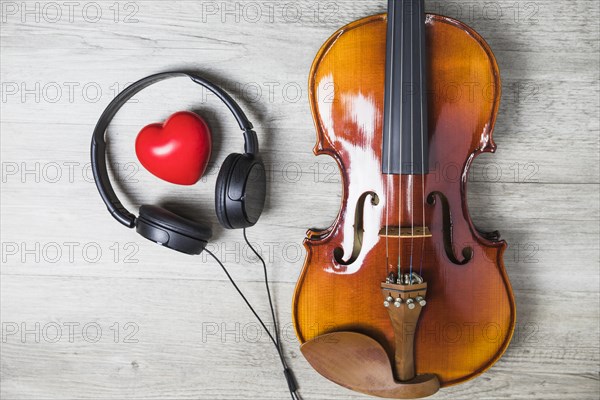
338,252
467,252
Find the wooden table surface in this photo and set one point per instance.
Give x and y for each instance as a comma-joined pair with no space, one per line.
91,310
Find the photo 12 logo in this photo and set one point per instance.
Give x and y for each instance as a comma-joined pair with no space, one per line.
54,172
268,11
54,12
69,332
237,332
67,92
509,12
69,253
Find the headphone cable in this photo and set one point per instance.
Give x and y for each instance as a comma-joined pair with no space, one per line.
287,372
289,376
275,325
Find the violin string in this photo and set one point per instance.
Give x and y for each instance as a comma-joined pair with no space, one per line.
412,147
401,136
389,138
423,99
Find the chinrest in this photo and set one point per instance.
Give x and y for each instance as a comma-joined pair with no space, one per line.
360,363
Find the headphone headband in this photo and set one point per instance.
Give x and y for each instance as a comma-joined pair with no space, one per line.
99,166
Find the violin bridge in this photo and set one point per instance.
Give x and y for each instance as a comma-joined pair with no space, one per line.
395,232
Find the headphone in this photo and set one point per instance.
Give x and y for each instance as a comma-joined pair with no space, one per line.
240,190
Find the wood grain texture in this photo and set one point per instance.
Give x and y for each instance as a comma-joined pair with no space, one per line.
540,190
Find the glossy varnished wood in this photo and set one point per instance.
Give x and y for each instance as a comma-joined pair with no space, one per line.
470,315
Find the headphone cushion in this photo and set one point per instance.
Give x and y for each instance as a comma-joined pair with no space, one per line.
173,222
221,189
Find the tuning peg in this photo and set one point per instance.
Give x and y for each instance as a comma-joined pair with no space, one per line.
421,301
398,302
388,301
410,303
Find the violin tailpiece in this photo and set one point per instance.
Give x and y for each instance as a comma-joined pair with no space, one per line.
404,304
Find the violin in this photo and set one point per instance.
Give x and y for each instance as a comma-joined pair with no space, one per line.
403,295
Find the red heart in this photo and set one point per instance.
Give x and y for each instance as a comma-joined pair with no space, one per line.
177,151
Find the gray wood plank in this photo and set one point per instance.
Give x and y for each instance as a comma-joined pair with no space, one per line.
540,190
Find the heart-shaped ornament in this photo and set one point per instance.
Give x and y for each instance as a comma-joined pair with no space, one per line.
177,151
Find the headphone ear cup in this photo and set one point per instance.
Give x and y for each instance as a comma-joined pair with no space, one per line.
240,191
172,231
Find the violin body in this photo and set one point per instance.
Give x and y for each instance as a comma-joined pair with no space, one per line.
470,314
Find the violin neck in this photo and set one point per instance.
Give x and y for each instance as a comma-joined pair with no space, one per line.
405,134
